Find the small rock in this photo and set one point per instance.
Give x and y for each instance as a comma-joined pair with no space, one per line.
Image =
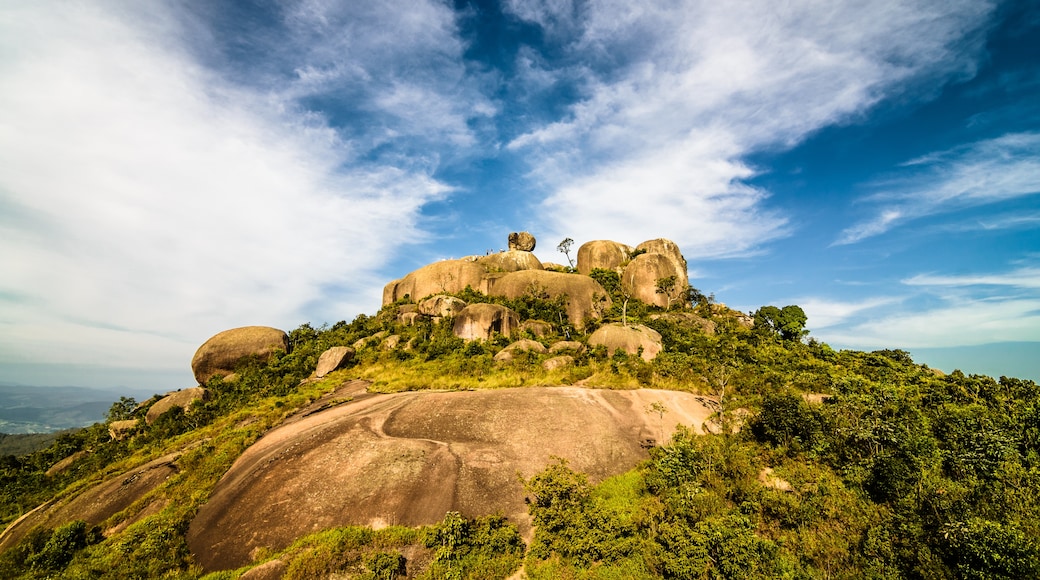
558,362
521,241
333,359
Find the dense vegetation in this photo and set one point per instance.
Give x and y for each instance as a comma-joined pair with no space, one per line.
823,464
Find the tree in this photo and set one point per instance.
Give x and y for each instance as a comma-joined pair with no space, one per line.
787,322
564,247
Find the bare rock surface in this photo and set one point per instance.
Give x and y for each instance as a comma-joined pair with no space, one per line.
441,305
522,241
183,398
436,278
219,355
511,261
558,362
536,327
97,503
605,254
629,339
640,277
333,359
480,321
586,299
408,458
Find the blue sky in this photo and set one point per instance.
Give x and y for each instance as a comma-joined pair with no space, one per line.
172,169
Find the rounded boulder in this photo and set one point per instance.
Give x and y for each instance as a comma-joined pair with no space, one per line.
480,321
511,261
333,359
183,399
219,355
605,254
522,241
436,278
586,298
632,339
642,274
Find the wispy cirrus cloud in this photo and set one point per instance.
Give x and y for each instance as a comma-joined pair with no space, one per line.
150,198
676,97
973,175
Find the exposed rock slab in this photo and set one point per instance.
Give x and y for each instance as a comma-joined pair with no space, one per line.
436,278
409,458
605,254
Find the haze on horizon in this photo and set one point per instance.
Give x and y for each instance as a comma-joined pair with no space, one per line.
172,169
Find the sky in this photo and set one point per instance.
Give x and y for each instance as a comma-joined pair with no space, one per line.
171,169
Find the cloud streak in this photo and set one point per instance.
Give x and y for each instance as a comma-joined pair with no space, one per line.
677,96
981,173
158,203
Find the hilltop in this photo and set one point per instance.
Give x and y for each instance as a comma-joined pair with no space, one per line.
601,418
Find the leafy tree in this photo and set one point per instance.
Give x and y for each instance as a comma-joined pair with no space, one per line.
788,322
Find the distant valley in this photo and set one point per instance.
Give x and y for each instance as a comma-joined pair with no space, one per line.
30,409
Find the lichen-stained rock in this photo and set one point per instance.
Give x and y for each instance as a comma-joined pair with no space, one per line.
605,254
446,276
629,339
219,355
183,399
333,359
441,305
521,241
586,299
511,261
480,321
641,275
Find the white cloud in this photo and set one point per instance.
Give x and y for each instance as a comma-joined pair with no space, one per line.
824,313
149,203
1021,278
965,323
973,175
696,86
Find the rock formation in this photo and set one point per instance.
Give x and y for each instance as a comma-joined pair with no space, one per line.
605,254
333,359
441,306
219,355
183,399
436,278
640,277
632,339
586,299
521,241
511,261
480,321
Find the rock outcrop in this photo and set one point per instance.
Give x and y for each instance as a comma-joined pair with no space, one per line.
511,261
632,339
521,241
446,276
586,299
408,458
333,359
221,354
480,321
605,254
441,306
641,275
183,399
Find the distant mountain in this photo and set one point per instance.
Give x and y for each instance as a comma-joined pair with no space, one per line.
32,409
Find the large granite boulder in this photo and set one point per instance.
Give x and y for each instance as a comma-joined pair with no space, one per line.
480,321
511,261
442,306
219,355
523,345
665,248
586,298
521,241
630,339
605,254
333,359
639,280
436,278
183,399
